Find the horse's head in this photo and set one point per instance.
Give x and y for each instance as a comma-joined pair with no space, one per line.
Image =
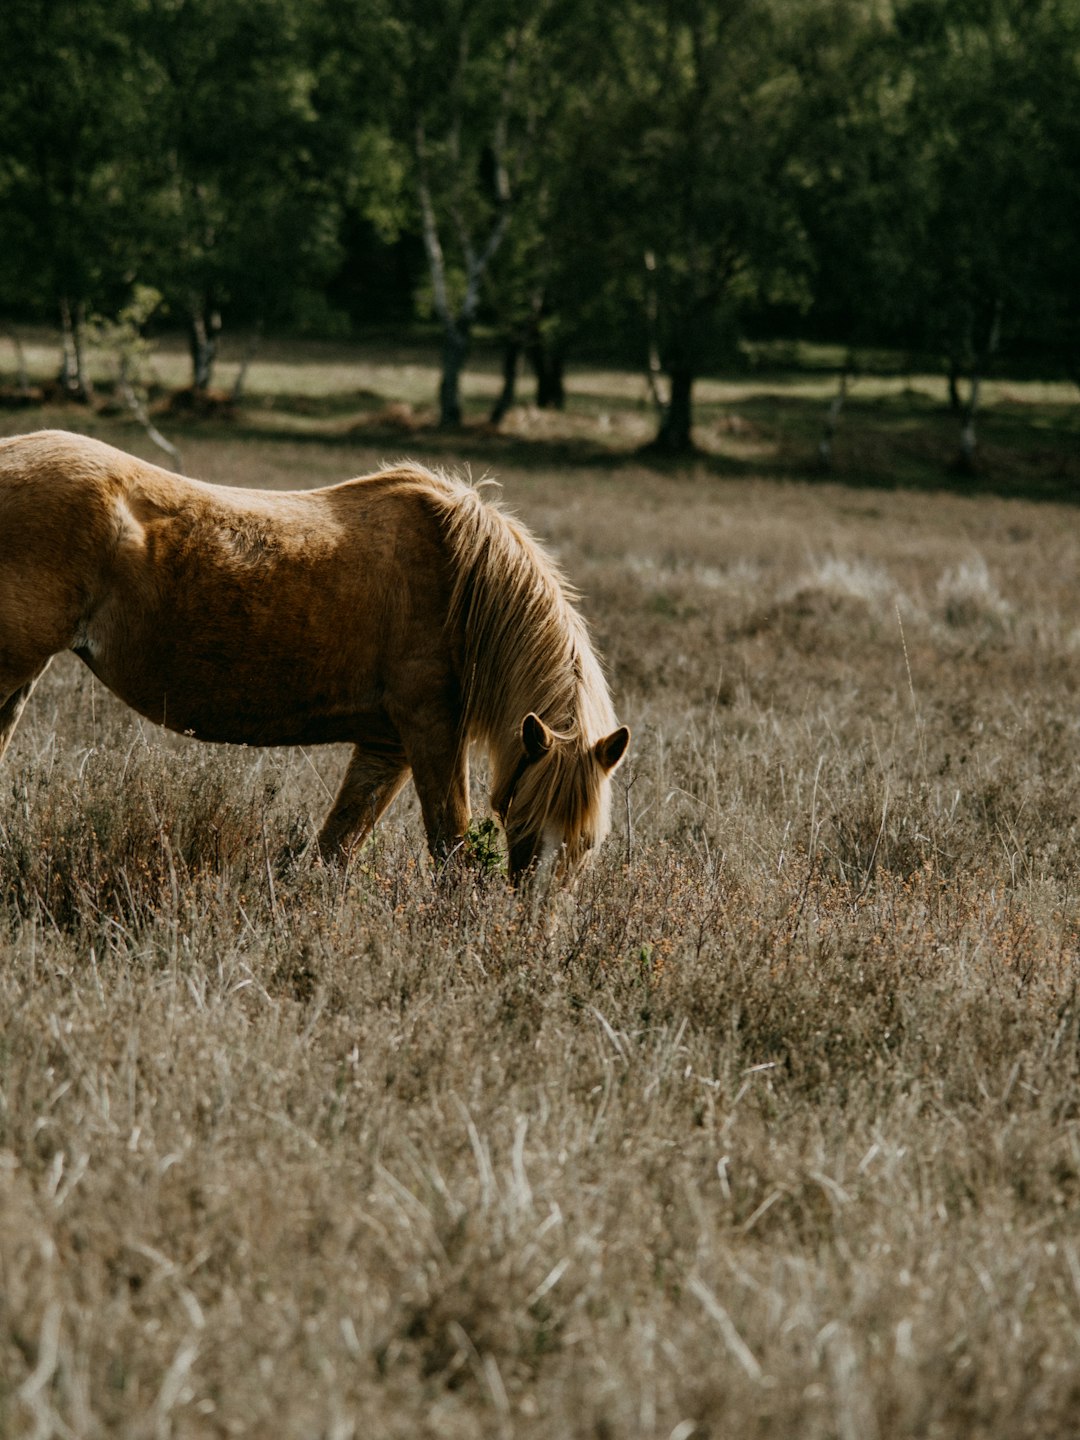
553,798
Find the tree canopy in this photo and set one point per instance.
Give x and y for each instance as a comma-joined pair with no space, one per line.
648,180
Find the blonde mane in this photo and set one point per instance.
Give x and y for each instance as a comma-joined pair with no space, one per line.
525,648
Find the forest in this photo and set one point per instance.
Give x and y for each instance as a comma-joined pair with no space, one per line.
649,183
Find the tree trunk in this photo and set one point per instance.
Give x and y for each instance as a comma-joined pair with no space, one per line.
457,326
547,364
204,326
550,383
832,419
454,354
676,425
69,365
22,372
73,377
239,384
507,395
967,460
137,405
655,370
955,403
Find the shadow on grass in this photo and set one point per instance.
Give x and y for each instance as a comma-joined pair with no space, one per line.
898,441
1024,452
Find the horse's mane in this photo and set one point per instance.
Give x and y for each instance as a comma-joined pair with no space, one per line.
525,646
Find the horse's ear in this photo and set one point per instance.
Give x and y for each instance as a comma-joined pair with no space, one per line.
536,737
612,748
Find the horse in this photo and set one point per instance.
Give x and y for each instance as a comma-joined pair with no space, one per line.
402,612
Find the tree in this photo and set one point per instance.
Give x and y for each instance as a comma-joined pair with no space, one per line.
692,136
72,163
466,73
864,189
540,290
1053,46
520,295
124,344
973,120
942,198
246,212
976,217
357,103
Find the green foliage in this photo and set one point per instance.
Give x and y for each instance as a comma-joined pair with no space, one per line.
246,212
485,847
73,162
637,179
123,339
942,192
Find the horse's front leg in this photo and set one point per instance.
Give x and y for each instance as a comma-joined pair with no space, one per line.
440,766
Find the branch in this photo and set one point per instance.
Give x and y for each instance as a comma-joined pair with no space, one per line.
498,140
476,265
430,227
654,369
479,265
139,410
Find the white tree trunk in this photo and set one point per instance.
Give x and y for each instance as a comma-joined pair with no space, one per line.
457,323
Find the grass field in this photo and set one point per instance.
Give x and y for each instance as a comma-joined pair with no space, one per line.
771,1130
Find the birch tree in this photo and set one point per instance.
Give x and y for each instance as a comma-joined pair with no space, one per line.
467,68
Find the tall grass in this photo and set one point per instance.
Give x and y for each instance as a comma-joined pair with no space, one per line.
770,1129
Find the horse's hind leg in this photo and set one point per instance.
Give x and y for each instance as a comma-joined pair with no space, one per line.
12,706
371,782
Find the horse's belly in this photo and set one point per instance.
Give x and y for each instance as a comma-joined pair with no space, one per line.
295,644
261,694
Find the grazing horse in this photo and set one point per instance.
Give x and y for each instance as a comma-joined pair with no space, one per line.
399,612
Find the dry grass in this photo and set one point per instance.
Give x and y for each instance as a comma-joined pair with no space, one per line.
773,1130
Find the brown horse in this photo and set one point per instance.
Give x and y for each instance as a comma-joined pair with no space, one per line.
398,612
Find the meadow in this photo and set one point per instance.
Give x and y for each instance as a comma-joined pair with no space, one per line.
772,1128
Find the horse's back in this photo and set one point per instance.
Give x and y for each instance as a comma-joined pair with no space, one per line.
62,458
59,493
253,615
